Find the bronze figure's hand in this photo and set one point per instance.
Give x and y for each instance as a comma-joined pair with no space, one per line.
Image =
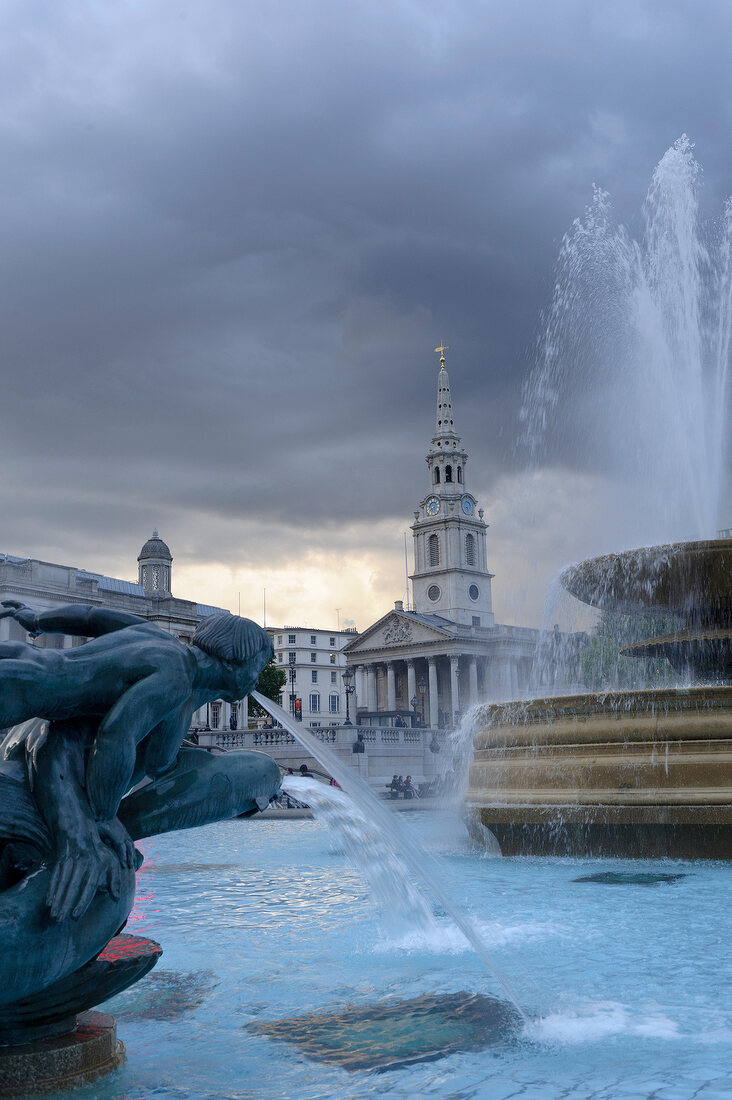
116,837
22,614
82,868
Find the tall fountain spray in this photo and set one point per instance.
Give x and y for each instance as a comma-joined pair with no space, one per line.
632,384
632,375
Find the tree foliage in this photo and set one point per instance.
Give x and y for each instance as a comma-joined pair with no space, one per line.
604,667
270,682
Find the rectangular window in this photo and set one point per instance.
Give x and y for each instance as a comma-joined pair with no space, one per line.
279,639
331,641
315,725
293,675
290,639
313,640
313,658
476,620
279,658
334,704
314,676
215,715
332,658
333,677
315,703
291,657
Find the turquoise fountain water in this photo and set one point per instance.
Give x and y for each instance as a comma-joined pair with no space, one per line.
263,920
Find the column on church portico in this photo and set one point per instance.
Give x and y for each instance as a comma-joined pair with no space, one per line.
411,682
390,686
454,688
514,677
243,713
473,680
371,679
361,696
433,701
5,630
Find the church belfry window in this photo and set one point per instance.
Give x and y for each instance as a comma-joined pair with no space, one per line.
437,475
448,473
433,544
469,550
460,475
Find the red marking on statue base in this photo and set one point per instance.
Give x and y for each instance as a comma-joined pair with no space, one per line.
129,947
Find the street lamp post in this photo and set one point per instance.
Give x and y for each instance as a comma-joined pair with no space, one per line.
422,686
349,688
293,692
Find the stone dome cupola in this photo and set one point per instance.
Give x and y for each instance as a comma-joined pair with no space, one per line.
154,567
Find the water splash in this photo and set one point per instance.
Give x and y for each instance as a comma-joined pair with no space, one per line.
420,865
373,852
633,372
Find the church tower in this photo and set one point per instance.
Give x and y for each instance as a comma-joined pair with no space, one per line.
451,575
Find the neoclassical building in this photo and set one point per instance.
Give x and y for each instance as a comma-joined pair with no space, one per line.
429,663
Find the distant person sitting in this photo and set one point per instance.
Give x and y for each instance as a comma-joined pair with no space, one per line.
409,790
305,771
394,787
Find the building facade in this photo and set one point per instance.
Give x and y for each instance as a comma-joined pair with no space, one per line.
314,661
45,585
427,665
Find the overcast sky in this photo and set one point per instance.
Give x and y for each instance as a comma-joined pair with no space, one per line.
233,232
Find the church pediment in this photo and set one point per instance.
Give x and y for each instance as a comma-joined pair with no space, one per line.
397,629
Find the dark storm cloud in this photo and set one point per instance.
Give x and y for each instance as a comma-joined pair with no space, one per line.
233,233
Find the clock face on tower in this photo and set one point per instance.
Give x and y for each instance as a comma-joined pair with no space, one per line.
432,506
467,506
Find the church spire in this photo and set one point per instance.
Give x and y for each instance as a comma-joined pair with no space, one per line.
445,437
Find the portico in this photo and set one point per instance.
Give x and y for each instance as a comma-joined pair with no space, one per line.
429,671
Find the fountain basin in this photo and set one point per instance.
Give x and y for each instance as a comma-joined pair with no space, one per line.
636,773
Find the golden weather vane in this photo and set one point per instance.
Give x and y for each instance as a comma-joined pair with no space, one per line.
442,349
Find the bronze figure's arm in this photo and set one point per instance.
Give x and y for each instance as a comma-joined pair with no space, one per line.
80,620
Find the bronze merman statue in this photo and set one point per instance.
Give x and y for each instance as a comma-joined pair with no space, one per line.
90,725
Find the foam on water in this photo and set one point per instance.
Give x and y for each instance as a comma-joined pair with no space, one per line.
446,939
599,1022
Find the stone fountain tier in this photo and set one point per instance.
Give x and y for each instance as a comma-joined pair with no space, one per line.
642,773
700,655
691,581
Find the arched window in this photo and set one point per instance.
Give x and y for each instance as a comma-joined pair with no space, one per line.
437,475
448,473
469,550
433,544
460,475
